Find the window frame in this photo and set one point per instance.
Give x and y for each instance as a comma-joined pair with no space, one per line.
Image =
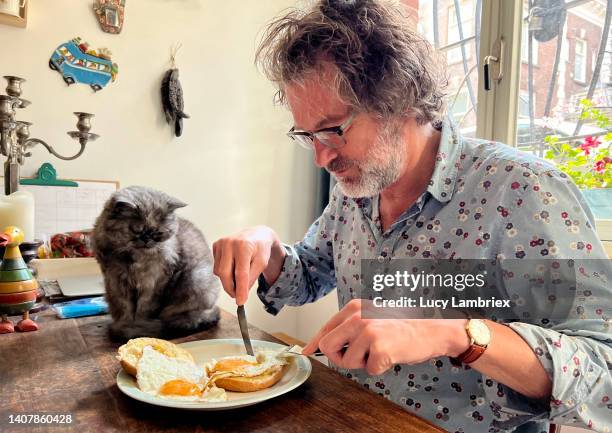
583,71
497,109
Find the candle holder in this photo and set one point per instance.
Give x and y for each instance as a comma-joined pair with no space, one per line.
15,141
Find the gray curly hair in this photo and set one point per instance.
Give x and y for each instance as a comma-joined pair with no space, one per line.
382,66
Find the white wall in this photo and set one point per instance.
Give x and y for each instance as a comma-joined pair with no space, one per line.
233,165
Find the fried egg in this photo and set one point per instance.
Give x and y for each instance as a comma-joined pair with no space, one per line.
172,378
246,365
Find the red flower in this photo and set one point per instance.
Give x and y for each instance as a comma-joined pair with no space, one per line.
600,165
589,143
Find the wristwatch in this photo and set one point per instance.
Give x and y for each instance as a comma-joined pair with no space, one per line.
480,336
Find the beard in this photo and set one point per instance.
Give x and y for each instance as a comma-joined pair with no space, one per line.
381,166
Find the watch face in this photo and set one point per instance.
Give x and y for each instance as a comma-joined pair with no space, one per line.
479,331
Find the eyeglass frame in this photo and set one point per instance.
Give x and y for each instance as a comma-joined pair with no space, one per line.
340,130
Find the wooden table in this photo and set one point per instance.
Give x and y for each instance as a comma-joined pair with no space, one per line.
69,366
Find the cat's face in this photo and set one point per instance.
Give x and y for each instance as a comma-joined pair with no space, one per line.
142,218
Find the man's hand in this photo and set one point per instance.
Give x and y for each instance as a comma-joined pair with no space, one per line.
241,258
379,344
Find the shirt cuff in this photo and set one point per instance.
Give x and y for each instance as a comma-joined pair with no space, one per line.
574,377
286,286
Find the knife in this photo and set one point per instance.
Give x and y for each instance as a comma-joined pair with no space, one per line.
244,329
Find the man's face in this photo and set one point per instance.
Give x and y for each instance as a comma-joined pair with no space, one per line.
373,156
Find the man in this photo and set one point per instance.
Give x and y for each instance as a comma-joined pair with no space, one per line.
366,94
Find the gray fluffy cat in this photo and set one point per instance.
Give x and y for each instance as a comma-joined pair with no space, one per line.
157,266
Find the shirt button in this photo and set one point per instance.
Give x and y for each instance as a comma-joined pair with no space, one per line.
381,259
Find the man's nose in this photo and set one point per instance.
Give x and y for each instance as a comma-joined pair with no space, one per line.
323,155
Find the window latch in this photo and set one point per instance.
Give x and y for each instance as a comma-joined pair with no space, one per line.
493,64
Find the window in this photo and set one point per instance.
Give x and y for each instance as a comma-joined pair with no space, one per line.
438,23
565,47
580,60
425,25
525,47
524,103
467,29
460,106
560,82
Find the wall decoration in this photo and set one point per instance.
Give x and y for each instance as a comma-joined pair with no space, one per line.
14,12
78,63
172,96
11,7
110,14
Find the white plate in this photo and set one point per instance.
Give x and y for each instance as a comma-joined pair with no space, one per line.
204,350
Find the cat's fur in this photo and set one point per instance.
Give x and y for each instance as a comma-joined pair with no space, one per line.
158,267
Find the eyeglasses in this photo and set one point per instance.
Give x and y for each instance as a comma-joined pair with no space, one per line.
332,137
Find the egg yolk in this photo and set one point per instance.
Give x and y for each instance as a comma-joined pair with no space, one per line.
232,364
180,387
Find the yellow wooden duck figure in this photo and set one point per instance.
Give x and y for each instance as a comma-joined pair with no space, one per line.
18,288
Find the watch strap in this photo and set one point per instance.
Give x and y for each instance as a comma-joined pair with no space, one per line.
470,355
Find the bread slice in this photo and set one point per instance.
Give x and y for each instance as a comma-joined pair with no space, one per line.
254,383
130,352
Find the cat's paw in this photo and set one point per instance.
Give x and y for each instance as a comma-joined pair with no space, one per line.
119,331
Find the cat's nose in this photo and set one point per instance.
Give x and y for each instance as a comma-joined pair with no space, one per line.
146,235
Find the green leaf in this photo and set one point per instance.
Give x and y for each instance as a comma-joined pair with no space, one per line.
581,160
551,139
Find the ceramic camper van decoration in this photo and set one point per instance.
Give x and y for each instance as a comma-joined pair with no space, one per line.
110,14
78,63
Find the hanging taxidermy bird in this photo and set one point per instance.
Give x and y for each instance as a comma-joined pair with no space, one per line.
172,97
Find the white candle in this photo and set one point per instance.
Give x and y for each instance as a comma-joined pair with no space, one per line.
17,209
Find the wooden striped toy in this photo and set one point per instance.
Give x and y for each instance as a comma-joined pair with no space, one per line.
18,287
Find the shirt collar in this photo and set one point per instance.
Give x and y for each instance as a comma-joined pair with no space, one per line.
442,182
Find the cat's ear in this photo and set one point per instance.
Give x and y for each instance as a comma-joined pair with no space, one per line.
121,208
174,204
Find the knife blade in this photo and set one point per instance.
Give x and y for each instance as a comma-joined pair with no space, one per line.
244,329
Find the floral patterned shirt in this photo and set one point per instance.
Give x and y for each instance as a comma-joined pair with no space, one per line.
484,200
